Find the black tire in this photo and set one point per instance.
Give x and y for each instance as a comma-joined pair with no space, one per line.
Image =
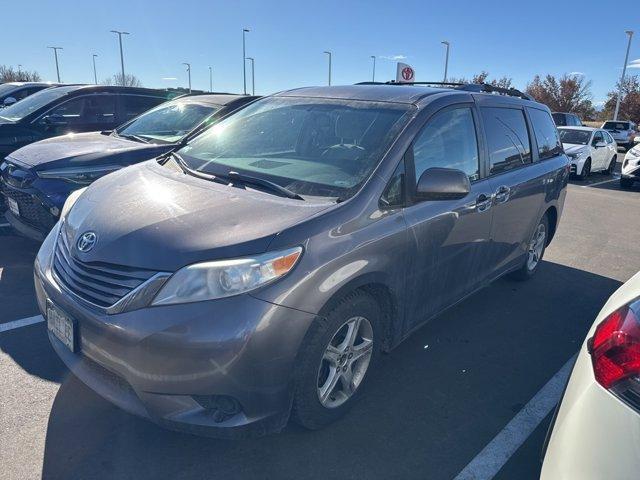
626,183
525,272
612,166
307,410
586,170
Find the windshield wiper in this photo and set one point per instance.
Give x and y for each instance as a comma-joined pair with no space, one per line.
261,182
137,138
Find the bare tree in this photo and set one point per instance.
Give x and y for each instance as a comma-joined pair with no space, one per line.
629,102
129,80
9,74
569,93
482,77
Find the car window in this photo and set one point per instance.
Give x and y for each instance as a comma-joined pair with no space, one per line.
34,102
576,121
393,195
607,137
546,134
134,105
448,141
87,109
559,119
597,137
616,125
508,138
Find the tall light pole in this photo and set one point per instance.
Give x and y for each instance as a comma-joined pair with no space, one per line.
210,79
95,74
624,71
117,32
329,53
244,58
253,75
55,54
373,78
188,73
446,60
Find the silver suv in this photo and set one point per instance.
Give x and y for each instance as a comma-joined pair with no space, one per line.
623,132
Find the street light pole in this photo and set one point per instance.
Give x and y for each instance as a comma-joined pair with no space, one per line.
253,75
244,59
329,53
121,54
55,54
95,75
446,61
210,79
188,73
624,71
373,79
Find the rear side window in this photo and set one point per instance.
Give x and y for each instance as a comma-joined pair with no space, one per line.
616,125
507,137
597,138
448,141
546,134
88,109
134,105
560,119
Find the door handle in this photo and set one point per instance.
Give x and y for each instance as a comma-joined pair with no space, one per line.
483,202
502,194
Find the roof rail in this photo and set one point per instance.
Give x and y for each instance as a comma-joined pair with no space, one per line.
467,87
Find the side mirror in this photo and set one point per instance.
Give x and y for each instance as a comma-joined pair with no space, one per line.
9,101
600,144
443,184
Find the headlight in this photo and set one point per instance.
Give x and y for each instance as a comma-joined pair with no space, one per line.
635,151
225,278
70,201
83,175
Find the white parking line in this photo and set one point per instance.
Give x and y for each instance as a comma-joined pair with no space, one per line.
616,177
23,322
493,456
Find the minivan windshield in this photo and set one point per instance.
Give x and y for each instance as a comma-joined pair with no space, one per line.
21,109
311,146
169,122
576,137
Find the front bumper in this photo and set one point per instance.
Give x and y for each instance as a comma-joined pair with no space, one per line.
161,362
576,164
631,167
36,214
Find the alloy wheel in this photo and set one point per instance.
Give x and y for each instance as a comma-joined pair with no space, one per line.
536,247
345,362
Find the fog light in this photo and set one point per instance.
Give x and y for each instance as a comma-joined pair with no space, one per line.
220,407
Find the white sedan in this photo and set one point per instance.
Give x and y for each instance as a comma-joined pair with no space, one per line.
631,166
596,434
589,150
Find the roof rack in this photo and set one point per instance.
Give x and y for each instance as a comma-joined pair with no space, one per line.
467,87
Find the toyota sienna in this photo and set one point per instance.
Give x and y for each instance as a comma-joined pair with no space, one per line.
257,273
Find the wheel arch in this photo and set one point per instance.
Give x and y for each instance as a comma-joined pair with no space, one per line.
552,217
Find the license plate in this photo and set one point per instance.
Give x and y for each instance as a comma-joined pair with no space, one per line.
61,325
13,206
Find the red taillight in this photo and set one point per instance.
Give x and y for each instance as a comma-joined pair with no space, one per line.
615,347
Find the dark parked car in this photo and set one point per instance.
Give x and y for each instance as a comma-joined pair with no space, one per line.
563,119
72,109
257,273
13,92
37,179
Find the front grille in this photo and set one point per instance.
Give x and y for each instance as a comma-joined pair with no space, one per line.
31,210
99,283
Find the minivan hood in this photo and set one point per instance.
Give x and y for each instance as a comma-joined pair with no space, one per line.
78,149
149,216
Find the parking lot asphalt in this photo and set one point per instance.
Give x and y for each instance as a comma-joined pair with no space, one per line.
432,406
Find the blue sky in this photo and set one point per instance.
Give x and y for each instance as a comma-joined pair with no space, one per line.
287,38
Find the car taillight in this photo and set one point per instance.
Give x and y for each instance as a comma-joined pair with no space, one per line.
615,346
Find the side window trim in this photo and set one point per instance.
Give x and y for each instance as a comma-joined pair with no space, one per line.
405,191
534,140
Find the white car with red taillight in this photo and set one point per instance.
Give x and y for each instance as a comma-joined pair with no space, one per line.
596,430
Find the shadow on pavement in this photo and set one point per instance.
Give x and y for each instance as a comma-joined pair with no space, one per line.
17,295
433,404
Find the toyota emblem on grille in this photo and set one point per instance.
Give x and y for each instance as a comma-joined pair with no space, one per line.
87,241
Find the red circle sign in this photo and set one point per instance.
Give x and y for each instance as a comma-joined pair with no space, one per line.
407,74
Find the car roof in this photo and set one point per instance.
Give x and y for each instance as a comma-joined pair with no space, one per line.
586,129
32,84
116,89
216,98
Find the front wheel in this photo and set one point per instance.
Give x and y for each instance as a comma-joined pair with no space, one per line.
335,360
612,166
586,170
535,251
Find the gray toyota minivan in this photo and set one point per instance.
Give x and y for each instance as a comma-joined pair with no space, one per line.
256,274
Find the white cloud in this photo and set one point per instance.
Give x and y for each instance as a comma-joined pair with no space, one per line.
576,74
169,79
634,64
393,57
